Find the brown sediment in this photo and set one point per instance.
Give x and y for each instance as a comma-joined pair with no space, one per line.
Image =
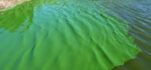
8,3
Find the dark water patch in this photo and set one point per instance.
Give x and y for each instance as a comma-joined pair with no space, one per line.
137,14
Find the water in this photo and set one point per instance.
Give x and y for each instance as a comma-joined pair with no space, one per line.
138,15
76,35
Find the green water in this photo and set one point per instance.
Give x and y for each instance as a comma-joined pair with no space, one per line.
63,35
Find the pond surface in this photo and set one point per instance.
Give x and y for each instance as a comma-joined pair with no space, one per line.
76,35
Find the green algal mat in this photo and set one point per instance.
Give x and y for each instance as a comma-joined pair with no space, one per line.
63,35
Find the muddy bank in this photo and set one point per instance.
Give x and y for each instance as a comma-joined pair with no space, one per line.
8,3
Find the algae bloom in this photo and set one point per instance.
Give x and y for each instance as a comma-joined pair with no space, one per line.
63,35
